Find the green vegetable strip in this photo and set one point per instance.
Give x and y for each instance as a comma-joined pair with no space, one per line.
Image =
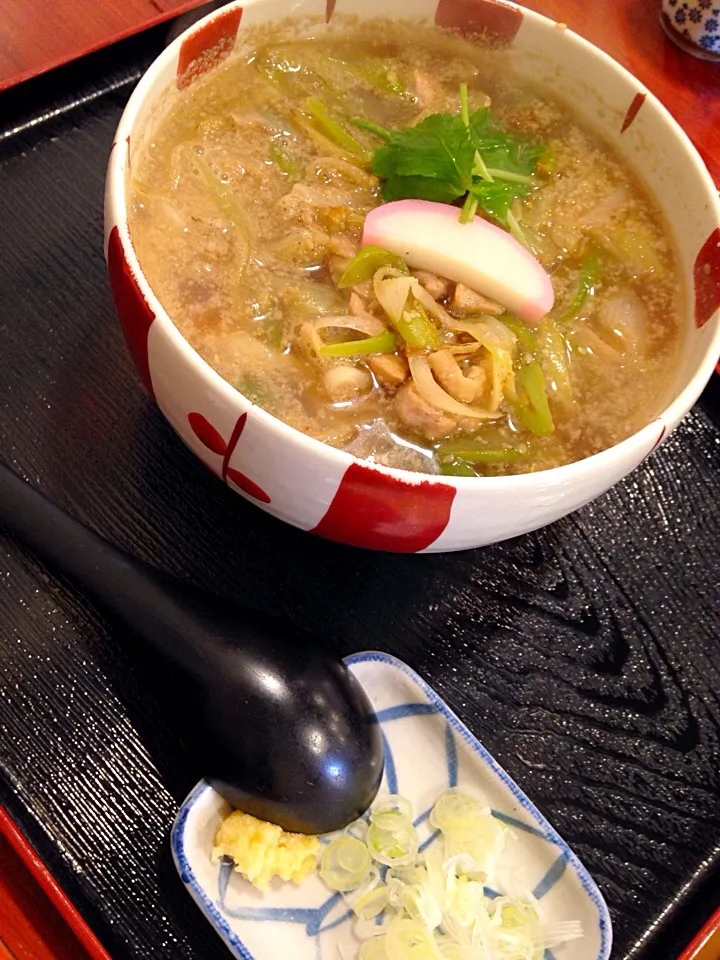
479,168
334,131
464,105
222,197
475,451
382,343
469,208
524,335
377,75
516,230
366,261
456,468
533,409
283,161
417,329
508,175
587,280
382,132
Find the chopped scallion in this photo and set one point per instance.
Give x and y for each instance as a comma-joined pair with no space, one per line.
332,129
366,261
382,343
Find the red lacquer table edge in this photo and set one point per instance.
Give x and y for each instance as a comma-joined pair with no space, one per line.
50,887
100,43
707,937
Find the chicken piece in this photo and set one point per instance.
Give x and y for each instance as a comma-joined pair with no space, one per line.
356,307
342,246
368,308
390,369
304,245
417,414
337,267
364,290
426,88
451,378
437,287
467,302
345,382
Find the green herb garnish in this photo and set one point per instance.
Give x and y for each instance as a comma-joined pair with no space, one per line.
431,161
448,156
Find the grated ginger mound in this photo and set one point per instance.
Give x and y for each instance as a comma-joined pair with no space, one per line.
263,850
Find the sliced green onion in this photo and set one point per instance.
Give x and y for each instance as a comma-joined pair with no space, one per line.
394,802
521,330
456,468
475,451
434,906
382,343
371,904
367,261
634,245
417,329
377,75
222,197
454,809
587,281
373,949
332,129
283,161
395,847
412,940
516,230
357,829
345,863
382,132
532,406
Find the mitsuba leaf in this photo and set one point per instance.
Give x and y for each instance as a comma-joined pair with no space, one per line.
430,161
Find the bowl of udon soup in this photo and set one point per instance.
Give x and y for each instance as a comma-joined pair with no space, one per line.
410,277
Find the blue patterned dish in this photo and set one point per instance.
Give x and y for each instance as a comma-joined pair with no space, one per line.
427,750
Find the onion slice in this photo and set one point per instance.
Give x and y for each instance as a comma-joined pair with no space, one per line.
431,391
366,324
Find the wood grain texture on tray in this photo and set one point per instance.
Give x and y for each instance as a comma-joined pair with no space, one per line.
37,35
584,656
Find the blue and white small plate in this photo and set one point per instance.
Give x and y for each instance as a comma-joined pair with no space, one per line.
427,750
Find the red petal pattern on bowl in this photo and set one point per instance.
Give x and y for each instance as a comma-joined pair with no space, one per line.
134,312
211,438
247,485
706,274
371,509
207,434
497,21
205,48
633,110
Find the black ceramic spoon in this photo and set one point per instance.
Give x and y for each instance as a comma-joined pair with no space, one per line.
281,730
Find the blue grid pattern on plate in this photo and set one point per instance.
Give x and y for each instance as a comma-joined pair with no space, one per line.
313,918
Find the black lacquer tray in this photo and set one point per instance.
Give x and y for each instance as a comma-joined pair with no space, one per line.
586,656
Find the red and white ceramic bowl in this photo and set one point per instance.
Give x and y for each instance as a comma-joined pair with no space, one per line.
329,492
